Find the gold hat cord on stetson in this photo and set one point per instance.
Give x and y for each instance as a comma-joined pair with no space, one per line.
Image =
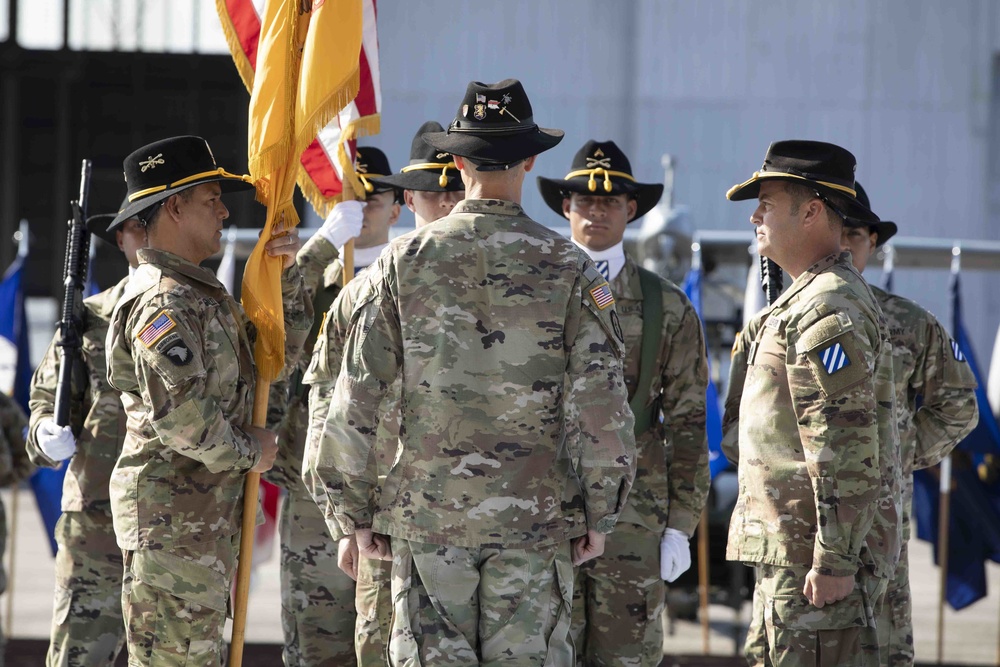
205,174
364,180
442,179
592,184
757,175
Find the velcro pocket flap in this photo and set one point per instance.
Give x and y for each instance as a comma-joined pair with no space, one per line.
794,611
823,331
182,578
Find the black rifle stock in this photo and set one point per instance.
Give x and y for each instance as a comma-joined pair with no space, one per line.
771,279
70,325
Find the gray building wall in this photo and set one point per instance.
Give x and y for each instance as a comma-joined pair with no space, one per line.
908,86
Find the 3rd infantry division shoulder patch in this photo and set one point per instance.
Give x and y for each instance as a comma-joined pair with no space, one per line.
834,358
602,296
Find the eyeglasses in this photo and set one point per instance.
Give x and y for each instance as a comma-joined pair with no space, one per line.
835,209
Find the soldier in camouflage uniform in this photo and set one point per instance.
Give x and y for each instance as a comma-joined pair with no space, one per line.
926,364
618,599
515,432
87,626
14,466
431,187
810,418
180,352
317,598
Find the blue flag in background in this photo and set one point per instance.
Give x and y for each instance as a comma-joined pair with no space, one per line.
46,483
717,462
974,521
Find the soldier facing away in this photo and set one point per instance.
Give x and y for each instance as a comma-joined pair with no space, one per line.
87,626
810,418
925,364
431,187
618,598
180,351
317,598
515,435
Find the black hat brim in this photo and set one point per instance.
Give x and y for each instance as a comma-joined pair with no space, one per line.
98,226
227,183
553,190
750,189
501,147
884,230
425,180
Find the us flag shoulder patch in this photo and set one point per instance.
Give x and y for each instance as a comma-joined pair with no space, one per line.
602,296
834,358
957,351
156,329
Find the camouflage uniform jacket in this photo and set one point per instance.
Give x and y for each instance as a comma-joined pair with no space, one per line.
925,364
14,462
319,264
671,477
180,353
96,413
812,403
515,427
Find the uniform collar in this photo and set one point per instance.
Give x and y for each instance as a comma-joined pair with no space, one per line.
175,264
489,206
810,274
105,305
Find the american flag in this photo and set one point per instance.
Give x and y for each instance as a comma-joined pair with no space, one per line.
155,329
602,296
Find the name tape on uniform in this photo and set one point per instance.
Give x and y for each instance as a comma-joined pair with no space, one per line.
602,296
156,329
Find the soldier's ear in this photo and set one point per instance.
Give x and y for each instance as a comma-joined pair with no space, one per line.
394,215
408,200
567,204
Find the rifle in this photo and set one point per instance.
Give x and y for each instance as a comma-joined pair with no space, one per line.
70,326
771,279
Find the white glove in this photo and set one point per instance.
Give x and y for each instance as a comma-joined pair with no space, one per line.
343,223
57,442
675,554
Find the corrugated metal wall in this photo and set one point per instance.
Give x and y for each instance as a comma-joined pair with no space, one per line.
907,86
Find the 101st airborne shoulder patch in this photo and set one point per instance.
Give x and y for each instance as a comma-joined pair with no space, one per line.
161,325
602,296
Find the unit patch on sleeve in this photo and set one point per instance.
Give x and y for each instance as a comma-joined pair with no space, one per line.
157,329
957,351
602,296
175,349
834,358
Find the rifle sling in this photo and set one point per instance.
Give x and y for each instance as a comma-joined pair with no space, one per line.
652,336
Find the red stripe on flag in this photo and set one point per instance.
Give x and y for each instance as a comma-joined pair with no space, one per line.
317,164
247,25
365,100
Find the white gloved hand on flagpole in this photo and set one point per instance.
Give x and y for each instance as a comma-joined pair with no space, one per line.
56,442
675,554
343,223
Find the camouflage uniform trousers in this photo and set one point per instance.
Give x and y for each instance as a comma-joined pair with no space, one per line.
87,624
787,631
374,606
480,606
895,623
317,598
618,599
175,615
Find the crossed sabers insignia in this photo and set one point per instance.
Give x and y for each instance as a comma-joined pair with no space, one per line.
594,163
151,162
361,168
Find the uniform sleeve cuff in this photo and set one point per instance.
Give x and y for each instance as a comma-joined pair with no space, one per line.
834,565
683,520
605,525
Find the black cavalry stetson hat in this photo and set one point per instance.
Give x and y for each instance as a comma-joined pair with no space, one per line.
429,170
494,127
98,225
884,229
827,168
165,167
600,168
371,165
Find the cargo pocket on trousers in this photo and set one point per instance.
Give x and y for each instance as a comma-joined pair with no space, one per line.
401,645
559,644
182,578
796,628
62,605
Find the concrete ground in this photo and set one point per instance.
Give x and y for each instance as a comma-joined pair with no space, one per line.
972,636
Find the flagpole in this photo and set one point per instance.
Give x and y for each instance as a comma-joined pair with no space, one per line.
944,514
703,571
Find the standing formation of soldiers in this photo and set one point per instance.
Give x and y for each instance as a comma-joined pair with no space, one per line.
491,438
